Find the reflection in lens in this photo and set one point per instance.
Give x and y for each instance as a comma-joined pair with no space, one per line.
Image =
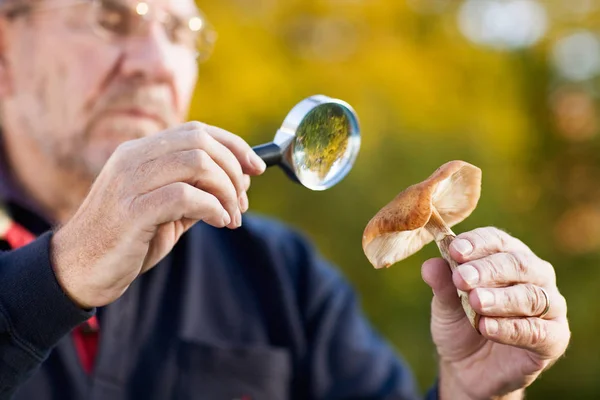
321,149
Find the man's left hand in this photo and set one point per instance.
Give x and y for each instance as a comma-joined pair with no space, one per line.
523,325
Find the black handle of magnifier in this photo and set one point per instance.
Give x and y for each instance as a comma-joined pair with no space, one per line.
269,152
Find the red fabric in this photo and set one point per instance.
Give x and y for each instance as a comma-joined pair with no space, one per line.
86,335
86,344
17,236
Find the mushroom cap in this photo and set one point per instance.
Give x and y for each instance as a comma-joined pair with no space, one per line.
398,230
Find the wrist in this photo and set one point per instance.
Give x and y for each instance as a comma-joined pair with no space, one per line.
64,260
451,387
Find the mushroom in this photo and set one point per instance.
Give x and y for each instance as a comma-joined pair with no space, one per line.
423,213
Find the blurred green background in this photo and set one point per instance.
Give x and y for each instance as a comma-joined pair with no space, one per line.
508,85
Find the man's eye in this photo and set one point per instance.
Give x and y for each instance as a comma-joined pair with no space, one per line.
181,35
178,31
114,17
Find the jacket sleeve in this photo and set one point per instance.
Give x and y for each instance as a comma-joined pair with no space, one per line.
34,312
347,356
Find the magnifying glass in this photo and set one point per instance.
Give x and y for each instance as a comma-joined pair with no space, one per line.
317,143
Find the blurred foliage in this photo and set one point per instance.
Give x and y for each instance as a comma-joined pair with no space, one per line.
424,96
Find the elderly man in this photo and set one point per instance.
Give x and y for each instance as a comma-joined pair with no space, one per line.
152,289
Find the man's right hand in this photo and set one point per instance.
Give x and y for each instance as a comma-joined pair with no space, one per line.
149,193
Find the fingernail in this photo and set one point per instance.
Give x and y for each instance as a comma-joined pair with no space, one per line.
464,247
486,298
469,274
226,218
257,162
243,202
491,326
238,218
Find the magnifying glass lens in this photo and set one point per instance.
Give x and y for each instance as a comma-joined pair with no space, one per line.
321,149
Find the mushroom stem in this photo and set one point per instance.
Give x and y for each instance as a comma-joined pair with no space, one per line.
443,237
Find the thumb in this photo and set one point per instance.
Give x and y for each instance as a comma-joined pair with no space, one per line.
451,330
446,304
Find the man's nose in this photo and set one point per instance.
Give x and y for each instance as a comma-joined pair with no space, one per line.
149,55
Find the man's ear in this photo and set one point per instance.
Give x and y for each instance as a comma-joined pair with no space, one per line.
5,73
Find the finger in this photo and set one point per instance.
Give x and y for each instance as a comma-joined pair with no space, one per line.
247,182
197,168
517,301
483,242
189,137
228,162
436,273
447,312
179,200
251,163
244,204
548,339
183,137
504,269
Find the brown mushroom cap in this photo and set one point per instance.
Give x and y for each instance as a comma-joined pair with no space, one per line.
398,230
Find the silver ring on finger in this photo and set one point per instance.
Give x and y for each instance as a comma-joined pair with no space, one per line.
543,314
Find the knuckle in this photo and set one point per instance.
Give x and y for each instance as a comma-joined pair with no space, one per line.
516,331
194,125
214,204
489,269
230,138
122,154
537,332
534,299
510,299
200,137
239,143
519,262
179,194
507,241
211,205
484,239
124,148
199,160
493,238
479,237
502,238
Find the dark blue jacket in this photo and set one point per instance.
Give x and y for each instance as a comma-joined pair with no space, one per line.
252,313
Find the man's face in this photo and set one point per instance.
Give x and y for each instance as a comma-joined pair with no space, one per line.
79,93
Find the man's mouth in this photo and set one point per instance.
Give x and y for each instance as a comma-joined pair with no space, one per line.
138,113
